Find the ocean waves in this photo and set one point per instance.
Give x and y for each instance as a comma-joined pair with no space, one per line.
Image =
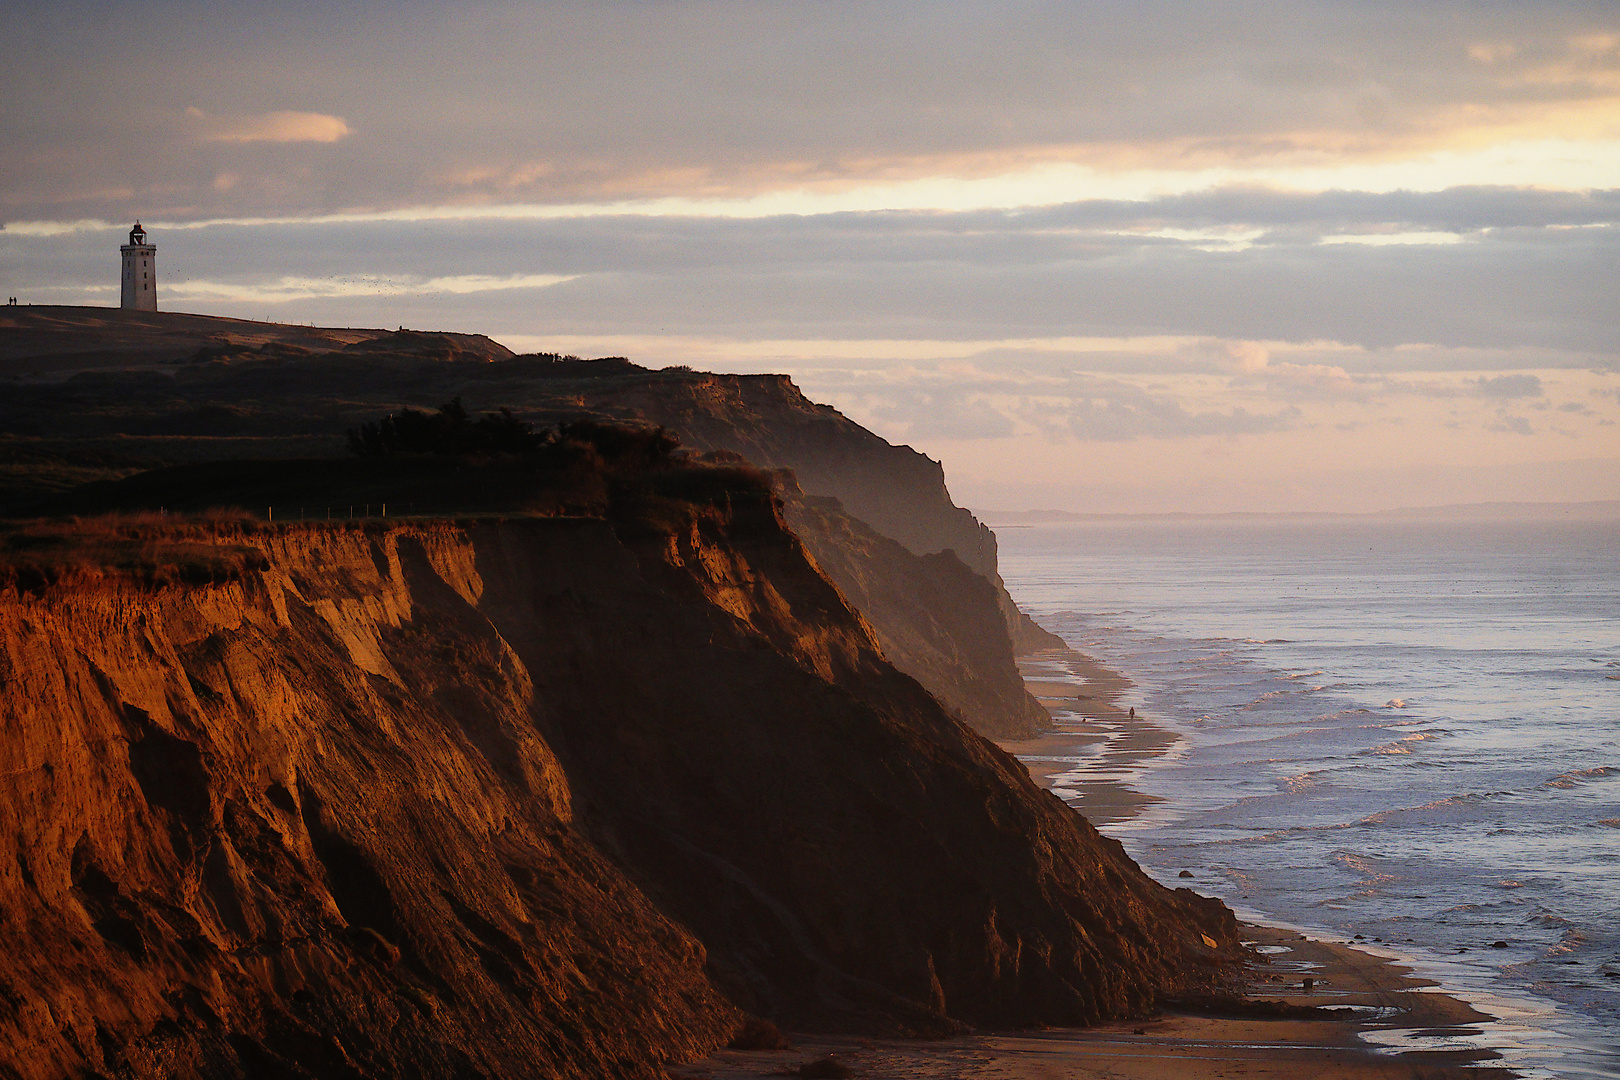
1577,777
1410,747
1404,744
1284,698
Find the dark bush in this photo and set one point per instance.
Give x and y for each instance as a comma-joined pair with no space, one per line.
621,445
714,485
757,1034
451,430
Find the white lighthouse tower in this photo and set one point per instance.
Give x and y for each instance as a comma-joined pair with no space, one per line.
140,272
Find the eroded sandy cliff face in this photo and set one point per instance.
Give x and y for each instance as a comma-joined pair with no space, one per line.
547,797
306,817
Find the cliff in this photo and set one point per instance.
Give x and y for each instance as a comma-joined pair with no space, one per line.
895,490
103,394
934,617
552,797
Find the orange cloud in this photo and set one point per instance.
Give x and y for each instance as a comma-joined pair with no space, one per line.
281,126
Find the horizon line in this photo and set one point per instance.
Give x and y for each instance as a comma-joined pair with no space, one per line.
1599,508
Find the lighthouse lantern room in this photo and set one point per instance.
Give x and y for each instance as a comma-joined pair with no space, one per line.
140,272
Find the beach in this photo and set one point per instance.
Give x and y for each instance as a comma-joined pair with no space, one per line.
1179,1045
1376,1018
1092,727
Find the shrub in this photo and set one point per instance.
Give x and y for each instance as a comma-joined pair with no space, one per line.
757,1034
621,446
451,430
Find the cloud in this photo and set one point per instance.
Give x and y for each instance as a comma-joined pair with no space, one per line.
961,401
1127,414
273,127
1301,317
289,289
1245,357
498,101
1387,237
942,411
1319,381
1517,425
1509,386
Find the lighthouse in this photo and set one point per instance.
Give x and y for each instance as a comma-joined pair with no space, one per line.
140,272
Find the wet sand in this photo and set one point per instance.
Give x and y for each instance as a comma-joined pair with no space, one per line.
1391,1024
1096,747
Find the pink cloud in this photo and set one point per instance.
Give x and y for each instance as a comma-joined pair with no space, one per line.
279,126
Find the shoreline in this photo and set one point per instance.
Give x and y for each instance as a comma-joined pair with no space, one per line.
1395,1023
1184,1045
1097,744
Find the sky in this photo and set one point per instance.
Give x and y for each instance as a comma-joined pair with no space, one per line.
1165,256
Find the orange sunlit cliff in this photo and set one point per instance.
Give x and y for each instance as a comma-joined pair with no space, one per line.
551,797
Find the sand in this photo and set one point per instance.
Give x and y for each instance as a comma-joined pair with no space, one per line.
1179,1046
1390,1024
1092,726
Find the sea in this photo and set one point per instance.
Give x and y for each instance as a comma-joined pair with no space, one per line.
1400,732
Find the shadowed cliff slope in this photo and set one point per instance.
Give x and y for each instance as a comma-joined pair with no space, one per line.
895,490
936,619
538,797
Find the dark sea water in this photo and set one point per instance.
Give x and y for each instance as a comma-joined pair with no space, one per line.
1404,730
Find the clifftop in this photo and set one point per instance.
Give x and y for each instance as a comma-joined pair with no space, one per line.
281,400
306,386
53,341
